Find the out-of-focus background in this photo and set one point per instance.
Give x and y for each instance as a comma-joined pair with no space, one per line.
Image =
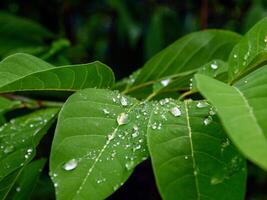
123,34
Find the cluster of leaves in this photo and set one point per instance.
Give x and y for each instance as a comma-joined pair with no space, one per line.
197,109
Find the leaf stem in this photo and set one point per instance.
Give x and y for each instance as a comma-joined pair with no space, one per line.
32,103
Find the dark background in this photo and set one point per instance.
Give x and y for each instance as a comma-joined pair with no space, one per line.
124,34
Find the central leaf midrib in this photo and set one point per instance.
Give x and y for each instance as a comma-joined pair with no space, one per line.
192,149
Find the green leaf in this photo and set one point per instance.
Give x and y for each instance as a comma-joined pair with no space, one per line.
27,180
95,150
217,69
22,72
250,52
18,140
5,106
187,54
242,109
21,35
192,157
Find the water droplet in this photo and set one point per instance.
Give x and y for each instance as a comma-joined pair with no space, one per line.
214,66
18,189
186,157
122,119
202,104
216,180
8,149
208,120
124,101
111,136
29,151
165,82
70,165
265,39
176,112
105,111
235,56
129,165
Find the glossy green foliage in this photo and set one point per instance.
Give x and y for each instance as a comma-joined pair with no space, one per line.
250,52
242,110
183,57
208,115
23,72
184,167
95,150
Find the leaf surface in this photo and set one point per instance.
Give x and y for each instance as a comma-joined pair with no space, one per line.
192,157
242,110
18,140
23,72
186,54
95,150
250,52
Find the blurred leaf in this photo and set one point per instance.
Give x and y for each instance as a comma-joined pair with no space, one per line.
255,13
18,140
21,35
5,106
27,180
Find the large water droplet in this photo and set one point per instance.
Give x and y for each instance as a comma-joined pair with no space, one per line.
122,119
70,165
176,112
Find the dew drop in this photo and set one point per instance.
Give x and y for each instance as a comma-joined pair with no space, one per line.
29,151
186,157
122,119
105,111
18,189
165,82
8,149
215,180
124,101
70,165
202,104
176,112
111,136
235,56
214,66
207,120
265,39
129,165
